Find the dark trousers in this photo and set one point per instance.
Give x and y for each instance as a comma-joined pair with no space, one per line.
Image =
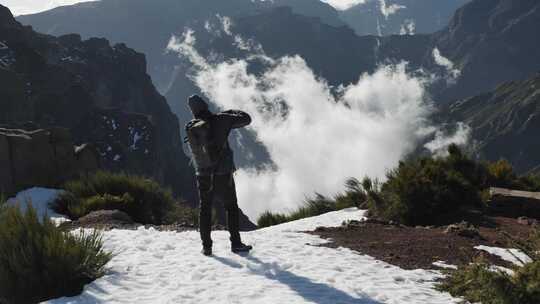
220,189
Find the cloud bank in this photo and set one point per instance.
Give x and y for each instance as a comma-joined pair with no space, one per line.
317,136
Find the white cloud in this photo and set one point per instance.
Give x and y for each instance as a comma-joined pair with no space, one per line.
453,73
391,9
23,7
343,4
315,139
408,27
439,145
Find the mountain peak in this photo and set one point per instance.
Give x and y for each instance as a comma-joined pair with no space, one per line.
6,17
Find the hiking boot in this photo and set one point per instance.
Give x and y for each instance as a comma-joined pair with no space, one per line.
207,251
237,248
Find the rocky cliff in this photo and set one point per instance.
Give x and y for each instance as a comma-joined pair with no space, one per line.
44,158
100,92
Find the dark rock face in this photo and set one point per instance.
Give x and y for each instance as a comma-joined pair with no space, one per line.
402,16
491,42
44,158
505,123
76,84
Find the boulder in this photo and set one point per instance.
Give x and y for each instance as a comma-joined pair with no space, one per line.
44,158
463,229
105,217
32,159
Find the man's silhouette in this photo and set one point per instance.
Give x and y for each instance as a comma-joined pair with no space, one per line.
207,135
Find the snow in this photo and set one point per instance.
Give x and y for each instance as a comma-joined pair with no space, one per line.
330,219
285,267
514,256
444,265
136,138
496,268
39,198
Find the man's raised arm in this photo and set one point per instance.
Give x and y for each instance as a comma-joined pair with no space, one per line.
236,118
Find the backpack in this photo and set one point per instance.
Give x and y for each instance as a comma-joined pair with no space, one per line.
205,151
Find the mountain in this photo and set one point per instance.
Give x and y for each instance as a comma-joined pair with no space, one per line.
147,26
100,92
484,44
491,42
505,122
392,17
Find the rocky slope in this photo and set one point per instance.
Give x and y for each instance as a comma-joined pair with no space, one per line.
505,122
100,92
393,17
491,42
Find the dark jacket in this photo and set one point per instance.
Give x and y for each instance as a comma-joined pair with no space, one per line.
221,125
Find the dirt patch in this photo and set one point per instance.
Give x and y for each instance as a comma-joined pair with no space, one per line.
420,247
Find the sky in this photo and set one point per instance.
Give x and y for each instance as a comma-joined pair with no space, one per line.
22,7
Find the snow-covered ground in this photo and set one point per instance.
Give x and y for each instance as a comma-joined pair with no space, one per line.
285,267
514,256
39,199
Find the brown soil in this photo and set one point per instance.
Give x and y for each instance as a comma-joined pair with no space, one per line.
419,247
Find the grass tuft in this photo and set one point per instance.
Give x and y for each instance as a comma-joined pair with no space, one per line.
352,197
39,261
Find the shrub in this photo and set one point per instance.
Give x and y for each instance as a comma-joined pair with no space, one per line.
501,174
352,197
428,191
143,199
39,261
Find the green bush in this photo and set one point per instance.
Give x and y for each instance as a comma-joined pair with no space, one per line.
352,197
428,190
501,174
143,199
39,261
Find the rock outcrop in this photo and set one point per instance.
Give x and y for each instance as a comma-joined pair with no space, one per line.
100,92
44,158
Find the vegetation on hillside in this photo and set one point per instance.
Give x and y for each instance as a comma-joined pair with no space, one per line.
141,198
420,191
39,261
439,190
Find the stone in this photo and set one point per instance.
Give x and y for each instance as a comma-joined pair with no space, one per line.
463,229
105,217
523,220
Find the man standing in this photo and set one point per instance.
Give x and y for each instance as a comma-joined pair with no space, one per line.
207,135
